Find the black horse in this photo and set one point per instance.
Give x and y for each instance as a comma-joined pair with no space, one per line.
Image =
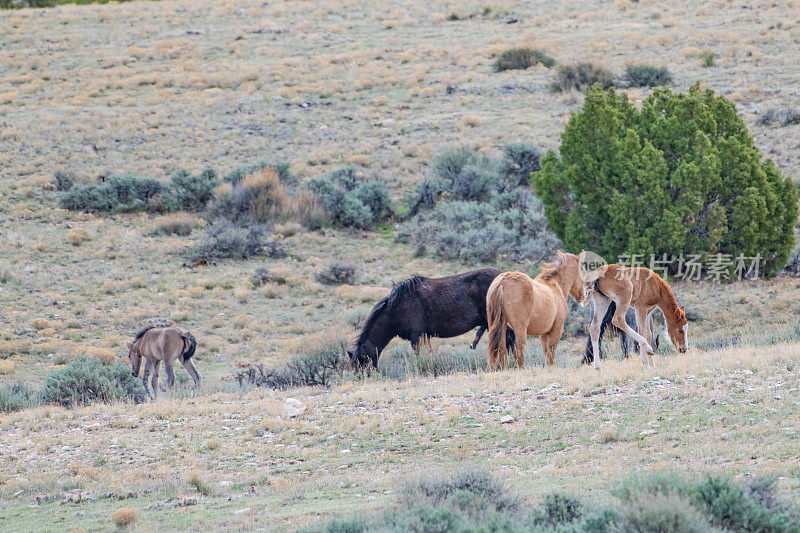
625,341
426,307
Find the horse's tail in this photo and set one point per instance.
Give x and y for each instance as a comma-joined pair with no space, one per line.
607,318
497,322
189,345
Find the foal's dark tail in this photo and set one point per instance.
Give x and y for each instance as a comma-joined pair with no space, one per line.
189,345
607,318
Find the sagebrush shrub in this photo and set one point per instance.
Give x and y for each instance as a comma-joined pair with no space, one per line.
87,380
281,169
337,273
522,58
322,366
192,192
224,240
647,76
258,197
16,397
123,193
402,363
519,161
176,224
511,225
350,201
680,176
782,116
580,76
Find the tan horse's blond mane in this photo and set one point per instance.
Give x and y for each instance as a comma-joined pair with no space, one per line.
551,271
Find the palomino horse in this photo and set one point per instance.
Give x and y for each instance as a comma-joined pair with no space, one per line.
162,344
642,289
532,307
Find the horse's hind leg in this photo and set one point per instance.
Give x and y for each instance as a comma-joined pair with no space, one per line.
193,373
478,335
601,304
168,368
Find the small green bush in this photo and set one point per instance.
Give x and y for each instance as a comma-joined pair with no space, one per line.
661,513
337,273
707,58
580,76
351,201
64,180
87,380
15,398
224,240
521,59
192,192
647,76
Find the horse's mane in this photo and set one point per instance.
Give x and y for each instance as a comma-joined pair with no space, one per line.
400,290
142,332
551,270
666,290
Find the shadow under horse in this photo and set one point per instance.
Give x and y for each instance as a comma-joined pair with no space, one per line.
420,308
625,340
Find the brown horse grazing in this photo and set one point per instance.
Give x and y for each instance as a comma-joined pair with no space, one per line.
532,307
644,290
162,344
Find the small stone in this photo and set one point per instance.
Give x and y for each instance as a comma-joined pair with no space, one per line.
293,407
506,419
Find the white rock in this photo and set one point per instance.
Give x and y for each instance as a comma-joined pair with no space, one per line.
506,419
293,407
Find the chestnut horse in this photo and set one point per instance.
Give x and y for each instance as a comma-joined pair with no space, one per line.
532,307
643,290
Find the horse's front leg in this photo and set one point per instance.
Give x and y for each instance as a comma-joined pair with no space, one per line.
478,335
148,369
154,381
645,331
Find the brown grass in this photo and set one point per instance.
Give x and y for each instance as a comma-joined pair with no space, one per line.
125,516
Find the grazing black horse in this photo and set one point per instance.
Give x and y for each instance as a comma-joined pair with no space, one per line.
426,307
625,341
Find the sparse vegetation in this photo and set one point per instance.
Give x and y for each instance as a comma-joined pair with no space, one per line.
580,76
322,366
707,58
224,240
521,59
647,76
16,397
125,516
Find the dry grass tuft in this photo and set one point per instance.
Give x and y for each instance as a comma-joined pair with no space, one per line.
125,516
77,236
105,355
6,366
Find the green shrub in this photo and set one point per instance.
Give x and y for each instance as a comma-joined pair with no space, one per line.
680,176
522,58
438,489
123,193
707,58
224,240
661,513
511,224
15,398
191,192
351,201
580,76
87,380
64,180
337,273
647,76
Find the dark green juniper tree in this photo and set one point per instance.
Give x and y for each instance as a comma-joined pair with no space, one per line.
681,175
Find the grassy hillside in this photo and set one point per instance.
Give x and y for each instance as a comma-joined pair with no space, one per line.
148,87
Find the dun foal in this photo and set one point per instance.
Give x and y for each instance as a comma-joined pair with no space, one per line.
532,307
643,290
162,344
